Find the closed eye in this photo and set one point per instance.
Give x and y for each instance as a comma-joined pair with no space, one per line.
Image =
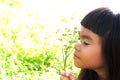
83,42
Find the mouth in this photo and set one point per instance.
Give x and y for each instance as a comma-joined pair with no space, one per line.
75,56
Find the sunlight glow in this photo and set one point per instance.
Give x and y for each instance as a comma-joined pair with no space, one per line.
50,11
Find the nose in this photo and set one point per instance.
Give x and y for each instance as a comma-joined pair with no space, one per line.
77,47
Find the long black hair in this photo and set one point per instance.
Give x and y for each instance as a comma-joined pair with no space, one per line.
106,24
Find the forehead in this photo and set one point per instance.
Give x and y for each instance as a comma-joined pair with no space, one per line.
88,34
85,31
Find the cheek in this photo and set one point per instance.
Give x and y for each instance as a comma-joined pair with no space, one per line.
94,58
89,57
96,62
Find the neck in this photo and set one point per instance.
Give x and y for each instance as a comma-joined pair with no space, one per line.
102,73
102,76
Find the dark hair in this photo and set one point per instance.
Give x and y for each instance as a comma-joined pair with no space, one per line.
106,24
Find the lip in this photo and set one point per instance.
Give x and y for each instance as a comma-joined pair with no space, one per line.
75,56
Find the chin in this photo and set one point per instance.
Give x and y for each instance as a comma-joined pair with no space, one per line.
77,65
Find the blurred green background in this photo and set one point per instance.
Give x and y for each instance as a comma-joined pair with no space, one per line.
36,41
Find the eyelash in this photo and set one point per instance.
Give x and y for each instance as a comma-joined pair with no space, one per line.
83,41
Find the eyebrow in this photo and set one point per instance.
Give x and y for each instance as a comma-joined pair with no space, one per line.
85,36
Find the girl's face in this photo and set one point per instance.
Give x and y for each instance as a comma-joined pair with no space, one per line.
88,53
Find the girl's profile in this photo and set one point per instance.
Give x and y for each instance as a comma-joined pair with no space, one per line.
98,53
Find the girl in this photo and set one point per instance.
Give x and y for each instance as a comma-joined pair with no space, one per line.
98,53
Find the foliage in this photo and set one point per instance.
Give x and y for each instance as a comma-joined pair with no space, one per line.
28,51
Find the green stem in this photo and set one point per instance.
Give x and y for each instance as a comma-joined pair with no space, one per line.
65,60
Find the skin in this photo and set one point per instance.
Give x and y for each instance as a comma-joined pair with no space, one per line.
67,76
88,55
